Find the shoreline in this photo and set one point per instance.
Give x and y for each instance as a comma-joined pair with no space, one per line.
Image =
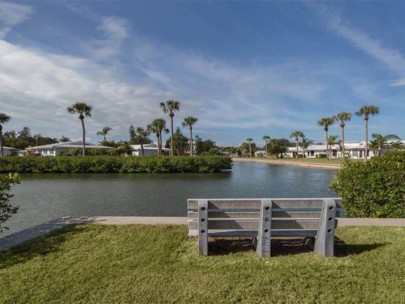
288,163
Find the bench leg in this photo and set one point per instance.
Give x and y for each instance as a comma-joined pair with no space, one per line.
263,247
203,227
324,241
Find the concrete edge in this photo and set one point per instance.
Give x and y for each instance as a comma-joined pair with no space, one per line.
45,228
288,163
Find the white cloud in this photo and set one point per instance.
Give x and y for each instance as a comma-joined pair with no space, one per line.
12,14
365,42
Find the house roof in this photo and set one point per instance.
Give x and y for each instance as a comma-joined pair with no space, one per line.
148,147
10,148
72,144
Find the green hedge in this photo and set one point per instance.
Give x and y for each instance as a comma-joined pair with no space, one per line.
373,189
115,164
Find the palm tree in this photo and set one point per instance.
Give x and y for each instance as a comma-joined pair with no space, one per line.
397,145
266,138
331,141
4,118
296,135
158,126
250,140
366,111
84,110
326,122
305,143
189,122
141,134
342,117
381,141
104,132
37,138
170,107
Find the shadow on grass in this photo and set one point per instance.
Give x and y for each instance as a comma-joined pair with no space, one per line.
285,246
343,249
39,246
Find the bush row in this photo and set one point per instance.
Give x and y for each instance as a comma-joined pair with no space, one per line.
375,188
115,164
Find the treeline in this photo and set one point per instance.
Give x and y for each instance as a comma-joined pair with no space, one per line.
115,164
24,139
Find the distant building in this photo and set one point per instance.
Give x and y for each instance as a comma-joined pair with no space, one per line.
58,148
7,151
149,150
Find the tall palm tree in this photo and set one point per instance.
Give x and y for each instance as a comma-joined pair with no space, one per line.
141,134
326,122
158,126
249,141
366,111
104,132
170,107
397,145
266,138
189,122
342,117
84,110
297,135
4,118
381,141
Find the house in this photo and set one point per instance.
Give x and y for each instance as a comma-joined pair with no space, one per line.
7,151
58,148
149,150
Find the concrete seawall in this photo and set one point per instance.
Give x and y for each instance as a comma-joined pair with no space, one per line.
45,228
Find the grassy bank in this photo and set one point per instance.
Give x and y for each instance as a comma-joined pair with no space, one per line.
115,164
149,264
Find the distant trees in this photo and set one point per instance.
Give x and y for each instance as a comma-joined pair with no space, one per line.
181,142
84,110
142,136
157,127
365,112
24,139
266,139
4,118
379,141
278,146
170,107
203,146
250,141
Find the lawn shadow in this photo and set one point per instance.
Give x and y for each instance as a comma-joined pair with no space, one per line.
343,249
284,246
39,246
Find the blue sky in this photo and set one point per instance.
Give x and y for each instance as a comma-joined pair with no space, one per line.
244,68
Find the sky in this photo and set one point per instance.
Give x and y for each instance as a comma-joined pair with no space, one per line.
245,69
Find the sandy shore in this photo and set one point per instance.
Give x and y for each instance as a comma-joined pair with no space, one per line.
288,163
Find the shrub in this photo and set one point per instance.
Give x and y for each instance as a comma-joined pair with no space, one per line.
115,164
6,209
373,189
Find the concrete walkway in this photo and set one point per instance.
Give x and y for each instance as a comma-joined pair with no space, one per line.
45,228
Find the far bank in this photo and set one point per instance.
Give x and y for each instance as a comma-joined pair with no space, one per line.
290,162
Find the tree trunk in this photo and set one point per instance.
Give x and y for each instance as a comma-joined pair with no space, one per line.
191,141
84,138
296,156
327,145
158,143
366,148
267,153
1,141
171,127
143,151
343,142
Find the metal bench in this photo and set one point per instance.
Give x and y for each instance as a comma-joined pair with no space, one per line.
311,218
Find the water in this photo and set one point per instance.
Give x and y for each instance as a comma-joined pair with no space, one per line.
43,197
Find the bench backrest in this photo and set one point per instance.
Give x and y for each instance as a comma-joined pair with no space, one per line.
237,215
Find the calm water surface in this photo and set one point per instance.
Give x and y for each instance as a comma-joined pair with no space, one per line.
43,197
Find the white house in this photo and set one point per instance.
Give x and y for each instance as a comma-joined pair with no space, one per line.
149,150
58,148
10,151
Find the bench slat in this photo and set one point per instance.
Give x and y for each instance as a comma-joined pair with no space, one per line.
255,215
253,233
255,203
252,224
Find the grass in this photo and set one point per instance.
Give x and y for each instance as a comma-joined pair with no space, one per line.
159,264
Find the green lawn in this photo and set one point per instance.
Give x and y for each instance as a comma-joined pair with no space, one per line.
149,264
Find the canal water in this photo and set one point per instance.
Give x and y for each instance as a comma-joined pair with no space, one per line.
42,197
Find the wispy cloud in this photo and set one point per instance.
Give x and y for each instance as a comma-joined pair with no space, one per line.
12,14
372,46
